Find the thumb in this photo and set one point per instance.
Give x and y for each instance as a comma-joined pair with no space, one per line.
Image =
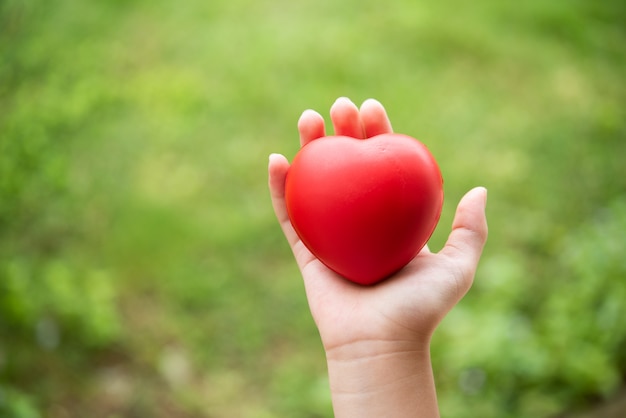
468,236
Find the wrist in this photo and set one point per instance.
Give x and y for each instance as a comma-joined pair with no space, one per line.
373,349
382,378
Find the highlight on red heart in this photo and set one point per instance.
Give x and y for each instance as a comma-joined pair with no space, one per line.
364,207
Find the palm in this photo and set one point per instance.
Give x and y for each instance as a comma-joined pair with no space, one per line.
405,307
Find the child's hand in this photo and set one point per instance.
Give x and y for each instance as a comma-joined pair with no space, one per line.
377,338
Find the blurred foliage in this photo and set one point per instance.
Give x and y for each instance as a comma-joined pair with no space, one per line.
142,272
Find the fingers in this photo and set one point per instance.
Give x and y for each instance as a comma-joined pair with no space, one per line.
374,118
467,239
346,118
310,126
277,174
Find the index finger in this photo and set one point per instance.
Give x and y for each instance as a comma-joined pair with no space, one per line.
374,118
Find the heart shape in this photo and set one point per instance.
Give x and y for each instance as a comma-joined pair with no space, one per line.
364,207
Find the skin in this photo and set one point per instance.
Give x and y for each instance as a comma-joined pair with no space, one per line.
377,338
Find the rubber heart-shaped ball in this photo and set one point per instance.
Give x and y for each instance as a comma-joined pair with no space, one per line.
364,207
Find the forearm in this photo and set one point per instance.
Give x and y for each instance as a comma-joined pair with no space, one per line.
382,379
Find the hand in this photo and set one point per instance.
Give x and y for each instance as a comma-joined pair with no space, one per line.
392,321
407,306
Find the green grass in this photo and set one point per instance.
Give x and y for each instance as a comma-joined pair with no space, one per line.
142,272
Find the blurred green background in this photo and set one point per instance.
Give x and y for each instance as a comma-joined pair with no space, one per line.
142,273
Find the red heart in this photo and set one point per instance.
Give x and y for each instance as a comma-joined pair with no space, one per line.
364,207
